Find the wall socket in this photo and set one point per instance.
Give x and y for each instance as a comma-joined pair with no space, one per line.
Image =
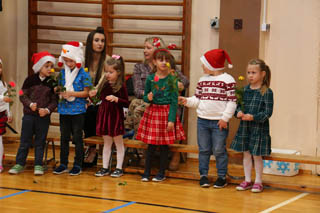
214,23
265,27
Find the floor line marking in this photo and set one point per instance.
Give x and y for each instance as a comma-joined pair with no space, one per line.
285,203
119,207
14,194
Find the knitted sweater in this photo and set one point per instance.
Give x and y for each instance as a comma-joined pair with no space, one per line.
215,97
40,92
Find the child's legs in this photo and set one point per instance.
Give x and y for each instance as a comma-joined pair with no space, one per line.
247,165
118,140
41,131
258,165
150,151
1,150
77,133
205,145
164,151
65,130
27,131
219,148
106,151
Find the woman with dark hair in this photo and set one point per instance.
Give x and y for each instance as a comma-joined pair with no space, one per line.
94,61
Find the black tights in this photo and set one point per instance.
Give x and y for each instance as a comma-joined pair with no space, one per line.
164,151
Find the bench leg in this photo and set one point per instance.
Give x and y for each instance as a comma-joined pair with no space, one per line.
46,160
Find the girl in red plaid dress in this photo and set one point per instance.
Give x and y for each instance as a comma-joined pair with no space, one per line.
5,114
160,125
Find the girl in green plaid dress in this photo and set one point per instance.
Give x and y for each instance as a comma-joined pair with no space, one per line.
253,136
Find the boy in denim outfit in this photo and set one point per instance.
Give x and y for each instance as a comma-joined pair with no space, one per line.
75,83
215,101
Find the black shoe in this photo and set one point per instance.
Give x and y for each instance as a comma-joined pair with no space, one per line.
159,178
60,169
117,173
102,172
204,182
145,178
220,182
76,170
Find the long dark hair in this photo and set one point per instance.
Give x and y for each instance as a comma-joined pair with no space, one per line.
162,54
267,78
89,53
118,64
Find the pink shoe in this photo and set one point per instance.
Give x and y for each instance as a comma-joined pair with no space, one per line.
257,187
244,186
1,169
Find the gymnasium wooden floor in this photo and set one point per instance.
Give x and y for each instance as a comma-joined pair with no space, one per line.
86,193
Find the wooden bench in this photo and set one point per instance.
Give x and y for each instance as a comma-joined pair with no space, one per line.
185,148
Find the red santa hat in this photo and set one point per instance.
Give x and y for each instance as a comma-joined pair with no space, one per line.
214,59
39,59
72,50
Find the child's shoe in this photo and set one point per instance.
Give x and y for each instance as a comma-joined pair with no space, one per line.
244,186
76,170
257,187
1,169
145,178
60,169
117,173
38,170
204,182
16,169
102,172
220,183
159,178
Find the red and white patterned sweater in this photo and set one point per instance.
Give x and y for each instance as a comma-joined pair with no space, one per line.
215,97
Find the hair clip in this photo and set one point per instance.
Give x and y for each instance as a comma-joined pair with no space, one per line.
156,42
117,57
172,46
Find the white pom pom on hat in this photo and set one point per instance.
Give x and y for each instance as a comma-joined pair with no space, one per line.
40,58
72,50
214,59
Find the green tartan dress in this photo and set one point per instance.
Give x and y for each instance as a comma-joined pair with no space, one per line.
254,136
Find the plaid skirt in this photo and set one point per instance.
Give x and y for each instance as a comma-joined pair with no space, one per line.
153,126
3,121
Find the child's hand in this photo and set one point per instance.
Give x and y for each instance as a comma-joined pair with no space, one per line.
240,114
182,100
93,93
43,112
112,98
9,119
33,106
150,96
66,94
247,117
222,124
170,126
7,99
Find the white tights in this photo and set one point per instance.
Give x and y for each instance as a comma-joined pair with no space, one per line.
108,140
1,150
247,166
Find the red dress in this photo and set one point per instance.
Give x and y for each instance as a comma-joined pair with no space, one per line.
110,117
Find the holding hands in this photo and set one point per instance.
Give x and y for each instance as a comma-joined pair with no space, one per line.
112,98
182,100
244,117
7,99
93,93
33,106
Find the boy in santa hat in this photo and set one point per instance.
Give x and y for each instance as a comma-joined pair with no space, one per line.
215,101
39,100
76,83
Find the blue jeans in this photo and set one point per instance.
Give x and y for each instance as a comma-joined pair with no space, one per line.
33,125
71,125
212,141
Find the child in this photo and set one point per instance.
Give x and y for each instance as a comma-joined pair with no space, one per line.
76,83
253,136
110,118
38,100
160,125
215,102
5,114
